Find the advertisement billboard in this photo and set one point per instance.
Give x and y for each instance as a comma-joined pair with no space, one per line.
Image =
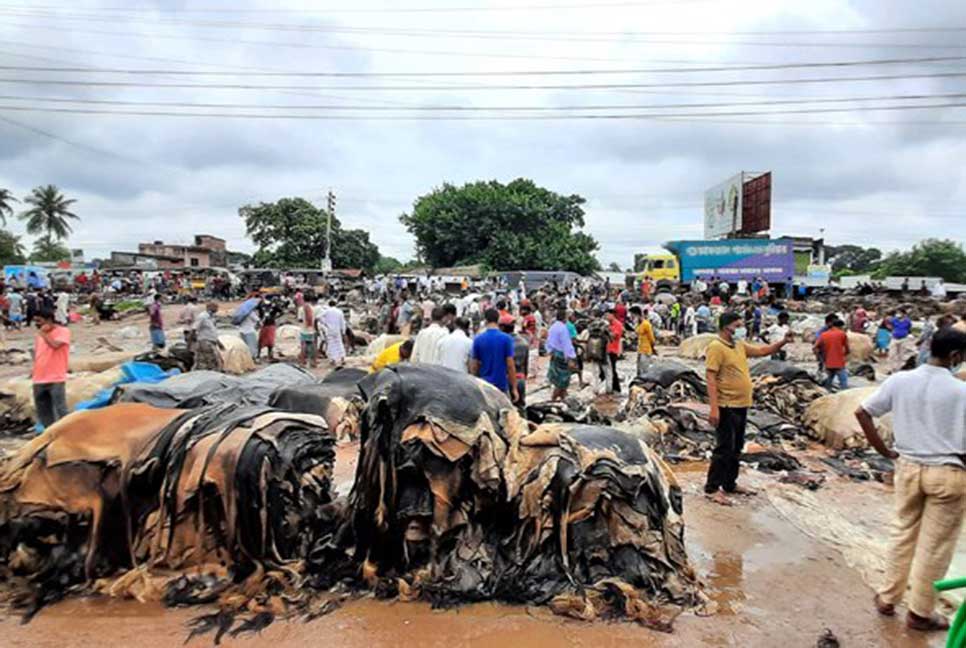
722,208
771,259
755,204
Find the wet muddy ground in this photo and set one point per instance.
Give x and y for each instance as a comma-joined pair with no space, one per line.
774,585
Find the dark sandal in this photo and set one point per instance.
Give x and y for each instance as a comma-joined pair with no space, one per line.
926,624
885,609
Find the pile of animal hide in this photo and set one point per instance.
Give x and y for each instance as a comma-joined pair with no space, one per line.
337,399
831,419
570,410
860,465
456,500
236,357
17,396
237,489
201,388
784,389
695,347
660,383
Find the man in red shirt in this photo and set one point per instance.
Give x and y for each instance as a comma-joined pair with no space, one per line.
51,355
621,311
614,349
833,345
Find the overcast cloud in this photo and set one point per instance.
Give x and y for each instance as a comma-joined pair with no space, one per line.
863,176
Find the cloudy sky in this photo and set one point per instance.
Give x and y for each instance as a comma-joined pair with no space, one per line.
237,102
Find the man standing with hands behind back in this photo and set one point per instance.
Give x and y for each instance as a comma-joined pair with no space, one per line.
729,392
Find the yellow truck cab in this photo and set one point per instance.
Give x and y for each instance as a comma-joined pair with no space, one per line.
660,267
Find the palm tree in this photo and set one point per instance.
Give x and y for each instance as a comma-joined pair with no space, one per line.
6,198
49,213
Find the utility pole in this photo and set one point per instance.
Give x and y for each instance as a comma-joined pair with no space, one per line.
330,212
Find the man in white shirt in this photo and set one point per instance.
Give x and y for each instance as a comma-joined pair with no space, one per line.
424,348
742,287
928,406
332,325
939,290
453,351
61,315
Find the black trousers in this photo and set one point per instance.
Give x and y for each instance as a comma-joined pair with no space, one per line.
50,401
616,379
729,442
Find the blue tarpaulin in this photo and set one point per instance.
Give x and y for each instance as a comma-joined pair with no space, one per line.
131,372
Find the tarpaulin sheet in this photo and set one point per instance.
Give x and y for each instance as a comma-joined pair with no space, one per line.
139,372
199,388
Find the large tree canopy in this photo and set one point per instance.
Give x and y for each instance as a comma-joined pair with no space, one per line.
290,233
853,258
518,226
929,258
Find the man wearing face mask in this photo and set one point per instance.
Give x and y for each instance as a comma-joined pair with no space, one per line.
729,392
928,406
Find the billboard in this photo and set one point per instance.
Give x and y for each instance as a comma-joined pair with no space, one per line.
722,208
755,204
733,259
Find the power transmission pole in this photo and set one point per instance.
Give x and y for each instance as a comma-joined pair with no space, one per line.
330,212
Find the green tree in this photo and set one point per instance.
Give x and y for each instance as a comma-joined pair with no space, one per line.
387,265
517,226
929,258
853,258
49,213
239,258
11,249
291,233
47,249
614,267
6,200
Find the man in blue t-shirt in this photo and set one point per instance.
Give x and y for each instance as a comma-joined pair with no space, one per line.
903,345
492,356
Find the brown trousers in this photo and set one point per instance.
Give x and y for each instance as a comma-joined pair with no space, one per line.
930,503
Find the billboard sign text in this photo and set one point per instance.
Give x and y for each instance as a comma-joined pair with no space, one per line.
730,260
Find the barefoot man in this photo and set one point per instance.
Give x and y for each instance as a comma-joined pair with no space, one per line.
729,390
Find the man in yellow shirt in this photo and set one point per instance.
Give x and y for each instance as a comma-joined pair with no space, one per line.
729,392
645,338
398,352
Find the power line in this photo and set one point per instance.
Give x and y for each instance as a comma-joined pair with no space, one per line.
475,73
586,86
69,142
482,108
313,46
396,9
625,36
603,116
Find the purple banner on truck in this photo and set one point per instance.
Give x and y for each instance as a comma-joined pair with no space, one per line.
733,259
